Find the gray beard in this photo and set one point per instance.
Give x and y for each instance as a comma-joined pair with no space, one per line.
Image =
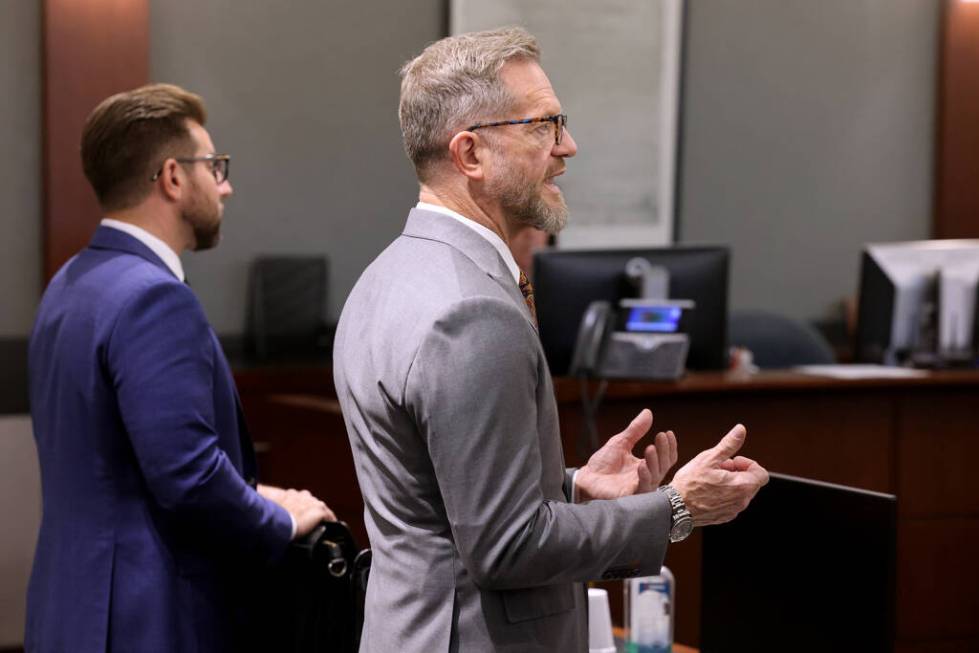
524,206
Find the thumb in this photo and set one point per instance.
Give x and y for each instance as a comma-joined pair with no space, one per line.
637,428
729,444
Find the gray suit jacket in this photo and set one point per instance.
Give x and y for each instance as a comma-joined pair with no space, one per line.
452,419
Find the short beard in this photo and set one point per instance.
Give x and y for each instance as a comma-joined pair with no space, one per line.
205,221
524,204
206,236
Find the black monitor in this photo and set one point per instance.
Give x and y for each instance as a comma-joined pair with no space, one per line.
566,282
918,300
808,566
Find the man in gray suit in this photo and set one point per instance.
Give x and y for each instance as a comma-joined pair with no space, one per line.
481,537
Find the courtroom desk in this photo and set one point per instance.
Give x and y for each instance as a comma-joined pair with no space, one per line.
910,437
300,438
915,438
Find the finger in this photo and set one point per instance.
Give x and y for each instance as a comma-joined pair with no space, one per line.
637,428
728,446
674,449
663,453
647,481
739,464
760,474
650,466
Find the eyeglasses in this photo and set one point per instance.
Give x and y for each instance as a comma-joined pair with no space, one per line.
560,122
220,164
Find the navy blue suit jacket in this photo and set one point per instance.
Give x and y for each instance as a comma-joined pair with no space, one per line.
150,524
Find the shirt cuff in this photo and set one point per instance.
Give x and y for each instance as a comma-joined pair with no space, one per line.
574,486
294,526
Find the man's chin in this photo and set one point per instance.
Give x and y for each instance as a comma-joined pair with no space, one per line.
206,241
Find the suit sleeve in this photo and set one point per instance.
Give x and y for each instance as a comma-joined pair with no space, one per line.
161,358
472,389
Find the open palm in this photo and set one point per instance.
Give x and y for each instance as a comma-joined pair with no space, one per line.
614,472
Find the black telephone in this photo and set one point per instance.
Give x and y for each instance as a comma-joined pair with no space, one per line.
593,332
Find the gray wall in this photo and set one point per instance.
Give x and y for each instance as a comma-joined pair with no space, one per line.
808,130
20,164
304,96
20,514
20,287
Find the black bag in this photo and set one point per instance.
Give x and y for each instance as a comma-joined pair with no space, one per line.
313,600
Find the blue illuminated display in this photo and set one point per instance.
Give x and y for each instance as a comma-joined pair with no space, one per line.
657,319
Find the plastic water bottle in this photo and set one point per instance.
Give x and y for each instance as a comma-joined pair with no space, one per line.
649,613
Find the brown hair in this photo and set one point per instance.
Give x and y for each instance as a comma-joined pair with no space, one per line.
129,135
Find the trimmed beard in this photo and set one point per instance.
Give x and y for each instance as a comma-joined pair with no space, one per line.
204,219
525,204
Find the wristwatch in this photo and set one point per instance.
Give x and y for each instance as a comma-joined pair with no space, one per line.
682,520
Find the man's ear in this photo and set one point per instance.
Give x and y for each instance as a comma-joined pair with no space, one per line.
172,180
468,154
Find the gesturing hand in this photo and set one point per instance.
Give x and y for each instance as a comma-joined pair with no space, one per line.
613,471
716,485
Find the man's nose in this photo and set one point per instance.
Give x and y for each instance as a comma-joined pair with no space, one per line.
567,147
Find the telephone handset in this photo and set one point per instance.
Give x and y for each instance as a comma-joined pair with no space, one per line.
592,334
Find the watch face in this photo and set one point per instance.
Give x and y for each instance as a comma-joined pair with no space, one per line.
681,530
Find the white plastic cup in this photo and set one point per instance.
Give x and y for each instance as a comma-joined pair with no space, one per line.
600,638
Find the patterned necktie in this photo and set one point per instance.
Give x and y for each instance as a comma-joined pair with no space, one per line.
527,289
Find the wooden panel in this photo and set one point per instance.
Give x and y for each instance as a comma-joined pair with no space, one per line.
300,437
938,579
837,437
957,147
912,437
92,49
938,447
969,645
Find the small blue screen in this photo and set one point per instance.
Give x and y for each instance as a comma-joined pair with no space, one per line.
658,319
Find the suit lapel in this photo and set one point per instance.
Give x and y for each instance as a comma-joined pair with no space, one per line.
435,226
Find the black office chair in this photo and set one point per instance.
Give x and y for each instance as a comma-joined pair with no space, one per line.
286,307
776,341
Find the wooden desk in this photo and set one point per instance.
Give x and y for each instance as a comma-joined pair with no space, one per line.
915,438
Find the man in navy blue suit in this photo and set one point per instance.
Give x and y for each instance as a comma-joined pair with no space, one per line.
153,522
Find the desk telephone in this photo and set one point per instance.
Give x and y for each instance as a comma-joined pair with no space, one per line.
640,340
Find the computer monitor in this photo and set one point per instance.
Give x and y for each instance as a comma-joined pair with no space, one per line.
808,566
917,298
566,282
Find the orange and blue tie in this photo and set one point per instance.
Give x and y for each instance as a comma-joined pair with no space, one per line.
527,290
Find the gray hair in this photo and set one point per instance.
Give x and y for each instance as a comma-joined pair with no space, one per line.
454,83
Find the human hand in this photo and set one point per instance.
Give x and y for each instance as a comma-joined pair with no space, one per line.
613,471
307,510
716,485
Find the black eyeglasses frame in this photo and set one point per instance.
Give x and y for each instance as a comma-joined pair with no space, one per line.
220,165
